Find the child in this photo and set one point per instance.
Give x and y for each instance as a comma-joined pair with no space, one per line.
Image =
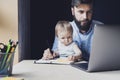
66,47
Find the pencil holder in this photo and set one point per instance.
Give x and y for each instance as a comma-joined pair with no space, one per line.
6,63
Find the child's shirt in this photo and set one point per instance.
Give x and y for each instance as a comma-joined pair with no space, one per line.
65,51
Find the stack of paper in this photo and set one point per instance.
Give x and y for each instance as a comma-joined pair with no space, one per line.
62,60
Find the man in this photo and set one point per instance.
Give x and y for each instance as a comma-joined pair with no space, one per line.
83,26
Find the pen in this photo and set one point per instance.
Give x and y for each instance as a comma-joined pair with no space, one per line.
8,46
14,47
12,50
11,53
49,46
3,49
6,55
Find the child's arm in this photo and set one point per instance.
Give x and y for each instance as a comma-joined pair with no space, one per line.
55,54
47,54
77,55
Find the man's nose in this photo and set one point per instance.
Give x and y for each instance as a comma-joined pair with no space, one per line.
85,16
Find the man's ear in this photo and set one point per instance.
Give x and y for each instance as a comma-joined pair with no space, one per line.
72,10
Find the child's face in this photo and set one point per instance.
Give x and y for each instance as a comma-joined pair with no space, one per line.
65,37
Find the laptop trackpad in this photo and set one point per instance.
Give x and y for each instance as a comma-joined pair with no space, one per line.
83,65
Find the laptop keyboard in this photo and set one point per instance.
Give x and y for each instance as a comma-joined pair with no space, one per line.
80,65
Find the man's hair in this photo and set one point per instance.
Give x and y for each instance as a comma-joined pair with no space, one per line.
63,26
78,2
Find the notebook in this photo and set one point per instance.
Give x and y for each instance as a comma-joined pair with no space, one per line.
61,60
105,50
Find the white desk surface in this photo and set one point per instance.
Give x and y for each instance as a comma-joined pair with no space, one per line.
29,71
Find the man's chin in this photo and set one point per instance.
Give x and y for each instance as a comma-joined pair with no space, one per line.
85,27
84,24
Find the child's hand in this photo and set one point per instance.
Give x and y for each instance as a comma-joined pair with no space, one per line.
47,54
71,58
55,55
74,57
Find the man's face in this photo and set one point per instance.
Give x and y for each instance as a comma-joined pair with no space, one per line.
82,14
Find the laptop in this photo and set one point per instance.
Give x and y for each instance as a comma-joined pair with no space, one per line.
105,50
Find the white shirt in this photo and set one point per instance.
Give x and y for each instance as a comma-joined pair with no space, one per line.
66,50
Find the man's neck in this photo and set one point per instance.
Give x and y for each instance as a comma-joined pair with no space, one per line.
82,31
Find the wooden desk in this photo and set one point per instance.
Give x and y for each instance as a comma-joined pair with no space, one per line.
30,71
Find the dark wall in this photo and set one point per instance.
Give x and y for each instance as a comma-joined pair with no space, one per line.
44,16
45,13
107,11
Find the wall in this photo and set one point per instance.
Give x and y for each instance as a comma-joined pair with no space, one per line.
43,18
9,22
107,11
45,14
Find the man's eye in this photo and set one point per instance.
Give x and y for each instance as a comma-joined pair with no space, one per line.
81,12
62,38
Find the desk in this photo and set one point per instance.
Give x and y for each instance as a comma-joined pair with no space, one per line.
29,71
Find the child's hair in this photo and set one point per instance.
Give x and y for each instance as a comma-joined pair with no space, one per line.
63,26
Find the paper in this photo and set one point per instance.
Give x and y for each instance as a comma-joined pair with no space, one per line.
11,78
62,60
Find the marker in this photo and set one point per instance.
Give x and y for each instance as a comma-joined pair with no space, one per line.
9,46
12,47
11,54
6,55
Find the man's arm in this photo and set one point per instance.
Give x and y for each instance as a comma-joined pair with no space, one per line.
55,44
77,55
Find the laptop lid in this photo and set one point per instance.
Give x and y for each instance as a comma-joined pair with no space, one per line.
105,50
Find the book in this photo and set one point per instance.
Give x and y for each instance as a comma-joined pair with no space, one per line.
61,60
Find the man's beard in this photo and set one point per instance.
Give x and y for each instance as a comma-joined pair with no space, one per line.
83,27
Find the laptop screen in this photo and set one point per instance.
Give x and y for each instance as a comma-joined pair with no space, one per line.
105,49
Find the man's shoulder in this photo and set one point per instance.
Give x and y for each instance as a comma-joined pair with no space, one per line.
73,25
71,22
97,22
93,21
